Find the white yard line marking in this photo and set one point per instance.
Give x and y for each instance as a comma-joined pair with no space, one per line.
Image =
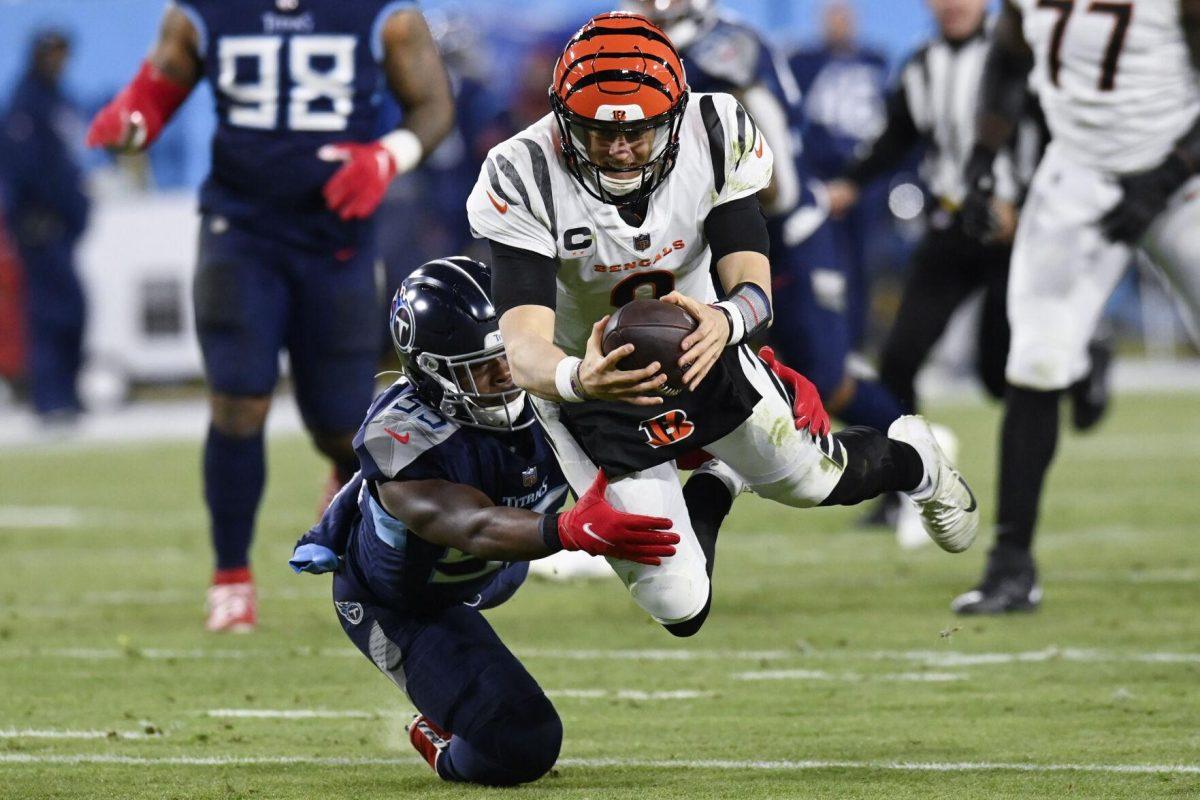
720,764
846,677
652,655
40,517
931,658
950,658
13,733
289,713
626,694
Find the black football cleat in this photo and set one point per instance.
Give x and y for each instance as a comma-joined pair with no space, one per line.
1009,584
1090,395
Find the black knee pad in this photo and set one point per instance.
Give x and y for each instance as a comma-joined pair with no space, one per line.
524,737
869,465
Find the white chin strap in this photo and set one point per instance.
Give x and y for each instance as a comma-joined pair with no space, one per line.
620,186
498,416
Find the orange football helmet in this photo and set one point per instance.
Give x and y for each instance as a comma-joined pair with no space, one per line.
619,77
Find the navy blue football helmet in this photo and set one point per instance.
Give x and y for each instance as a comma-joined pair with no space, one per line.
445,327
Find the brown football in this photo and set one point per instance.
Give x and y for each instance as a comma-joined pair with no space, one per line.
655,329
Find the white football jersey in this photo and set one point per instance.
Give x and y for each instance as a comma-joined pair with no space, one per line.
526,198
1114,79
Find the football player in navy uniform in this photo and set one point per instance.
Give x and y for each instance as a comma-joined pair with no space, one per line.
843,85
812,329
459,489
286,258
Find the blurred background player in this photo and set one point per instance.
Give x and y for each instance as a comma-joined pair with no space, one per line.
948,266
287,256
842,86
425,209
42,189
812,329
1121,95
441,528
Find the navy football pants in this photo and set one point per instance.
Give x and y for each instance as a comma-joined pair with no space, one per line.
256,296
457,672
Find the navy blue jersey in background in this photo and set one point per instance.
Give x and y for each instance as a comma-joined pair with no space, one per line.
843,103
288,76
728,56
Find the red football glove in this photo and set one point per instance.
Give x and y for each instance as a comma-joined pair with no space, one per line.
595,527
807,408
137,115
356,190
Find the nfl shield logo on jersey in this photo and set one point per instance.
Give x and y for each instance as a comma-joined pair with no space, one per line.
642,241
529,477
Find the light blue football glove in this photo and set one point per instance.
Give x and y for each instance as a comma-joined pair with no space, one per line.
315,559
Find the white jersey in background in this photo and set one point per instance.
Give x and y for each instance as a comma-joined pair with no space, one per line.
526,198
1114,79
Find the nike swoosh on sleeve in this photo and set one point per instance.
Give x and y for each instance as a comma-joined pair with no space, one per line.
501,207
402,438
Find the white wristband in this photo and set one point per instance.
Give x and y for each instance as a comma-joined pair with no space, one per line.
404,147
564,379
737,325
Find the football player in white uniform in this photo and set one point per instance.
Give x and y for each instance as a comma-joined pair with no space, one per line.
630,188
1119,85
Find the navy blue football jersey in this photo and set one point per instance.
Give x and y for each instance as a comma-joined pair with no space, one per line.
404,439
844,98
288,76
728,56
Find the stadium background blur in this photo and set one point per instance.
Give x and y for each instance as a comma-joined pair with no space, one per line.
138,254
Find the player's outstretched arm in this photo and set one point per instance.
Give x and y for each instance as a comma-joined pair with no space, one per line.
460,516
417,78
136,116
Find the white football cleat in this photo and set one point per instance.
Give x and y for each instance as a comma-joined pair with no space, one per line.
232,608
910,526
947,506
570,565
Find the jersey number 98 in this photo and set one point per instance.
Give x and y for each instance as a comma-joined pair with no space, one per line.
320,68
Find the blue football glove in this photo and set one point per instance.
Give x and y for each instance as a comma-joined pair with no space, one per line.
314,558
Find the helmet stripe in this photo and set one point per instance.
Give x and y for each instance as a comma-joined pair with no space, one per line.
621,76
605,54
641,30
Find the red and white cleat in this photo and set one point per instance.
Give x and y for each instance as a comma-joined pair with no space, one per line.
232,605
428,739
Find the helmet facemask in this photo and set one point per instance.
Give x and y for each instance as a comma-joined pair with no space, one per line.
586,142
449,382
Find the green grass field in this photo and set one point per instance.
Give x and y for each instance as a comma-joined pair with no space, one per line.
830,666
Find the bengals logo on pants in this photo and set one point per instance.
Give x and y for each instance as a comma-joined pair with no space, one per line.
668,428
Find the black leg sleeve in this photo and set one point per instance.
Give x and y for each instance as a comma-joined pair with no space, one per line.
942,274
874,464
708,503
994,333
1028,438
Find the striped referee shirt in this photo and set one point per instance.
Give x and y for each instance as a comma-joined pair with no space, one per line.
934,103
